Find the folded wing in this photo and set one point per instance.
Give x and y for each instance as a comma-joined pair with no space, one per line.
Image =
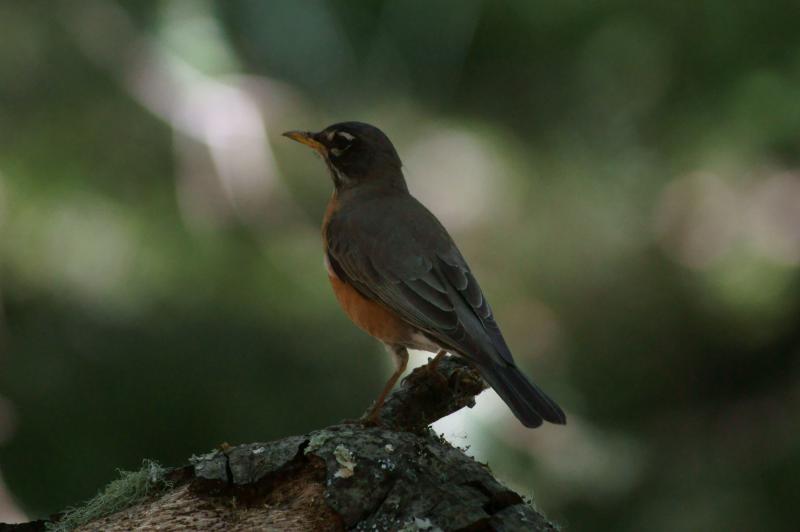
400,255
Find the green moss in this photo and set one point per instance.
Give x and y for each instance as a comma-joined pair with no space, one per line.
129,489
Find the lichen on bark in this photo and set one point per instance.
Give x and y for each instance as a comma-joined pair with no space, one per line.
396,476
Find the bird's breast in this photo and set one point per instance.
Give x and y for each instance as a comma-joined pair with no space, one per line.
371,316
374,318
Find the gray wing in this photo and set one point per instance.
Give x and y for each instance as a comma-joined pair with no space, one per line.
395,251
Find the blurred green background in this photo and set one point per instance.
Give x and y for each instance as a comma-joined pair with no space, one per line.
624,178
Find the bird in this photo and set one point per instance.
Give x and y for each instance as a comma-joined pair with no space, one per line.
398,275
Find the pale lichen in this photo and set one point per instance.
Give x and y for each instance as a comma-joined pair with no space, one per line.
419,523
317,440
346,460
131,488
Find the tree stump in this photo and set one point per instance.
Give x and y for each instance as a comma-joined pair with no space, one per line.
396,476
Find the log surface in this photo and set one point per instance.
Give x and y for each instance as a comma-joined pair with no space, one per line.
396,476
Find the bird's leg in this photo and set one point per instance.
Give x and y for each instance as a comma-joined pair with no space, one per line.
401,359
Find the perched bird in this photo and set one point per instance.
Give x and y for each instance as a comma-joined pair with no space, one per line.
400,277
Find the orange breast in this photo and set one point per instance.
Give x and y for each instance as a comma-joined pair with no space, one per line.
372,317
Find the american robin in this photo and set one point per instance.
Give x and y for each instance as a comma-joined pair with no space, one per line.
400,277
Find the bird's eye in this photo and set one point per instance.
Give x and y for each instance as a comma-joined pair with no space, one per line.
340,142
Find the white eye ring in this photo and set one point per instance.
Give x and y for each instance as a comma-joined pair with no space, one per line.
336,152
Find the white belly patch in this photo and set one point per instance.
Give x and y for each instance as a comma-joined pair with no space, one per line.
423,343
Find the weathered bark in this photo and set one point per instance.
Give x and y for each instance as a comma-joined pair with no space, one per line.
396,476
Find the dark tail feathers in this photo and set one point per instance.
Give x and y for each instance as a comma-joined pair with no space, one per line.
528,402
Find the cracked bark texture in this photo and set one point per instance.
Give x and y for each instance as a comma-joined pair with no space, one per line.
398,476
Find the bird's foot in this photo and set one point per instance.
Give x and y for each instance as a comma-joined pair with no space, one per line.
369,419
373,417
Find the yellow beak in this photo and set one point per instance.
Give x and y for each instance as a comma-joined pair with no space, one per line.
307,138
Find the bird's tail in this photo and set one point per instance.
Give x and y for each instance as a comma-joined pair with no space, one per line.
528,402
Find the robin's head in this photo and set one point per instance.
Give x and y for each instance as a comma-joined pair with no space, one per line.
355,153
